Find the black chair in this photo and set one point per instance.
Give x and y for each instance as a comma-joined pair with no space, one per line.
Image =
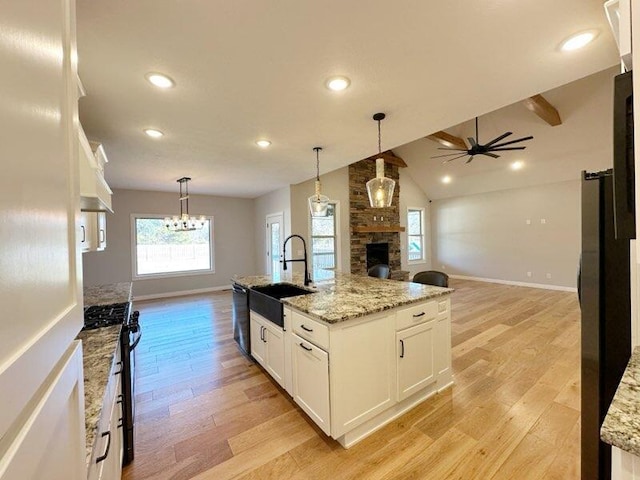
432,277
379,271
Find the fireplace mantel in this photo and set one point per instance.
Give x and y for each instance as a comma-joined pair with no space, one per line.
377,228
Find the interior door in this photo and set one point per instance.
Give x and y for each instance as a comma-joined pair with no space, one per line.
274,241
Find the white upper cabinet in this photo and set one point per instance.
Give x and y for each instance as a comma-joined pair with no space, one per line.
95,194
619,15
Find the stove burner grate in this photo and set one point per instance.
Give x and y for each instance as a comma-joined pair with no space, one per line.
105,315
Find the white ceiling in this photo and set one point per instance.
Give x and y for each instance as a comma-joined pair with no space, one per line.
584,141
246,70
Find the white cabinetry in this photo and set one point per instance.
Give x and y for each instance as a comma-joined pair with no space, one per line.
95,194
93,231
414,359
311,381
267,346
106,459
619,16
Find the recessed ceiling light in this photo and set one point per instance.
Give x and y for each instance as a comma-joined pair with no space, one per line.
338,83
517,165
153,133
578,40
446,179
263,143
160,80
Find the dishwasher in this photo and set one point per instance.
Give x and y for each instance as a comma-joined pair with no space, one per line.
241,318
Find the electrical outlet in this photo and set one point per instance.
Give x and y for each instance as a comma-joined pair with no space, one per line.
528,221
300,252
543,221
442,267
529,274
548,275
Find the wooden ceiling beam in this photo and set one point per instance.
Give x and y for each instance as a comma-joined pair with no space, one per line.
447,140
390,158
541,107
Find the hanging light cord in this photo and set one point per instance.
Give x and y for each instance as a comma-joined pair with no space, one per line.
317,149
379,139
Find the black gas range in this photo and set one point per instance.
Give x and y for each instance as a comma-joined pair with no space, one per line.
98,316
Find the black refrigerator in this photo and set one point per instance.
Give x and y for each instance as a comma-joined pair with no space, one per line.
604,291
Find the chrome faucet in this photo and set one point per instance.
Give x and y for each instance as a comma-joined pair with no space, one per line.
307,278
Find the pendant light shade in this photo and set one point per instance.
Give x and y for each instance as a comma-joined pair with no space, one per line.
318,203
185,222
380,188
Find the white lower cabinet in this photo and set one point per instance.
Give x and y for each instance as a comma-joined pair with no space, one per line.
353,377
267,346
311,381
414,359
106,459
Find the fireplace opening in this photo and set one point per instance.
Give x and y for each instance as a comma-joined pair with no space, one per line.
377,253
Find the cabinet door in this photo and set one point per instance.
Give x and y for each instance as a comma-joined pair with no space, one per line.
415,363
87,234
258,347
101,230
274,352
311,381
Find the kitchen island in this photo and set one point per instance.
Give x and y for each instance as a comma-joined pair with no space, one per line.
358,351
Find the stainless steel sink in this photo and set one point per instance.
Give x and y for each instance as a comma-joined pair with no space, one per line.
265,300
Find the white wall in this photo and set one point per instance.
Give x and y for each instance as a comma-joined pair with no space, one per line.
278,201
412,196
486,235
335,185
233,241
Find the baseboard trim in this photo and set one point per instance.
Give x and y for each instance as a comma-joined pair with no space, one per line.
518,284
182,293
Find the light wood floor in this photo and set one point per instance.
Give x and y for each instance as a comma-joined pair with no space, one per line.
204,411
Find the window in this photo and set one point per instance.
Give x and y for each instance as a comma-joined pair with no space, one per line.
160,252
415,234
323,239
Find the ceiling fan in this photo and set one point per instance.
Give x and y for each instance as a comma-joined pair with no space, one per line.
486,149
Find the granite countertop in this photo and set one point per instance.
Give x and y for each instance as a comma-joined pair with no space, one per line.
341,296
107,294
98,348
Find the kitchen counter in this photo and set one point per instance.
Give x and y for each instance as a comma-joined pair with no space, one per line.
107,294
341,296
621,426
98,348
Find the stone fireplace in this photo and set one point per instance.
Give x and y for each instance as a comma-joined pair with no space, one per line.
374,225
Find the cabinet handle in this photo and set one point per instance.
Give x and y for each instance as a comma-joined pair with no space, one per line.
120,398
402,347
119,371
106,450
84,234
421,314
305,328
101,235
306,348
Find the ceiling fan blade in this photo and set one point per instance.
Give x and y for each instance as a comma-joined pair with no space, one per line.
452,148
454,158
514,141
449,155
507,148
472,141
488,154
497,139
470,158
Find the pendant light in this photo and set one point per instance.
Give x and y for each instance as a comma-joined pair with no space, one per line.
318,203
185,222
380,189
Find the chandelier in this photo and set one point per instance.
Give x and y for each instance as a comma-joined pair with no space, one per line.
380,188
318,203
185,222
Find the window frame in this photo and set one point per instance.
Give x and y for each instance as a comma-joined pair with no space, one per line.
336,235
183,273
422,236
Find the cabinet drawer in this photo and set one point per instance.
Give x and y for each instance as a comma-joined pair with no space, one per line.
311,330
416,314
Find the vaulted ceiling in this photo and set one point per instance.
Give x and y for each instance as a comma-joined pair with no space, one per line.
249,70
